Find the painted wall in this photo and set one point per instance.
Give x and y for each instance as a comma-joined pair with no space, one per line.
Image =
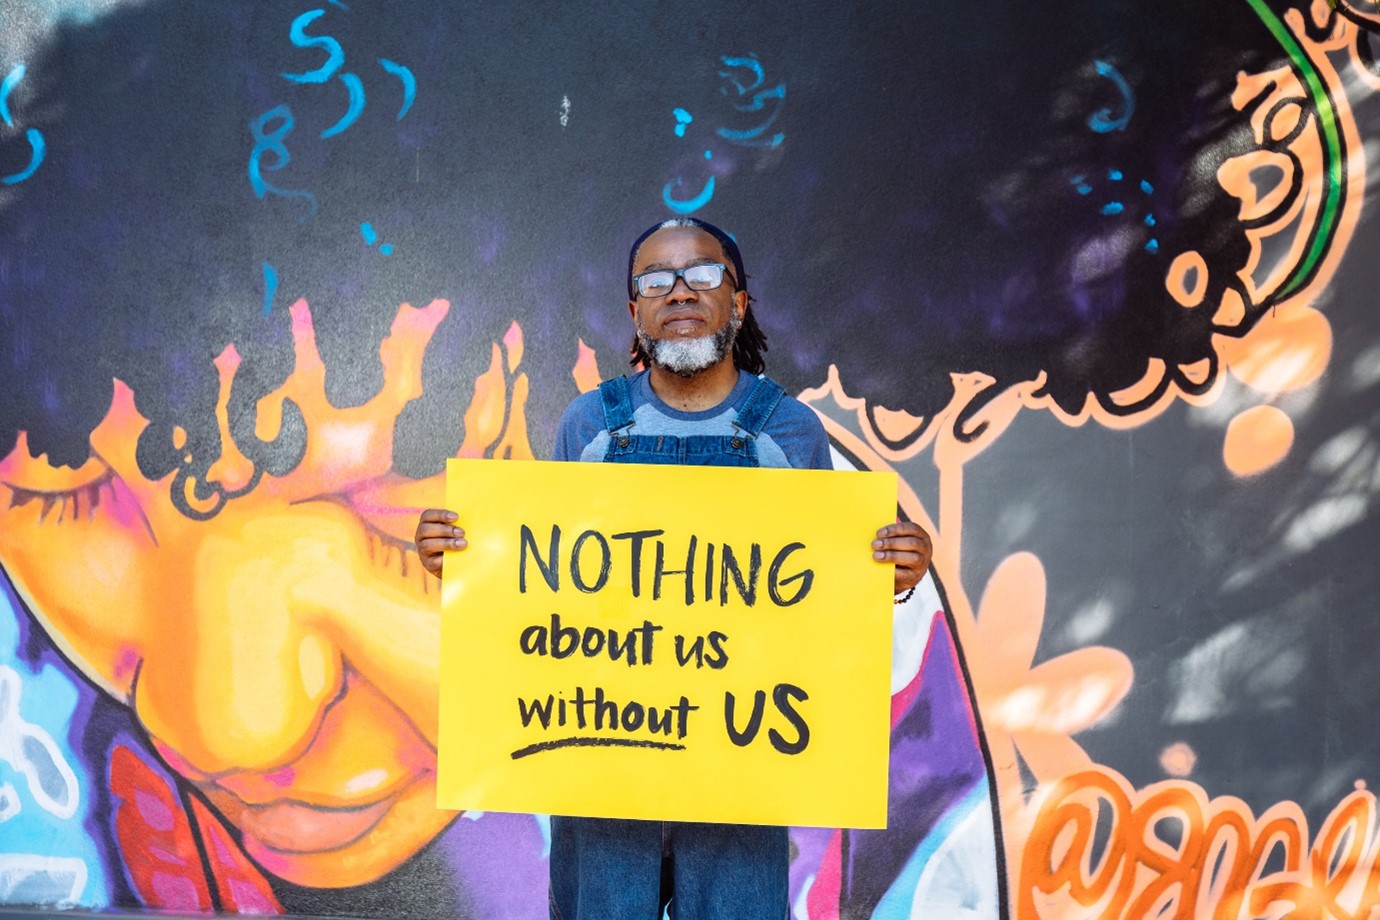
1096,280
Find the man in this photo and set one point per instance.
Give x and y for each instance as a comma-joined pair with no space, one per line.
701,400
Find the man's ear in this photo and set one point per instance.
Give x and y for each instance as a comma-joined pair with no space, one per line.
740,301
632,310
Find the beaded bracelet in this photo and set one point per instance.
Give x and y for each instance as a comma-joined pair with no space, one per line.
907,596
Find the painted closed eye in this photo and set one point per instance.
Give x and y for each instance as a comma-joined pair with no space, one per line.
62,505
60,494
388,508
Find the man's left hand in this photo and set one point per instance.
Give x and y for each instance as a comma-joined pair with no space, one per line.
906,544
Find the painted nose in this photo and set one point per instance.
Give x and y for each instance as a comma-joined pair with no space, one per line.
239,678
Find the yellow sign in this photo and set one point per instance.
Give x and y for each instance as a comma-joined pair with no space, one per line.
667,642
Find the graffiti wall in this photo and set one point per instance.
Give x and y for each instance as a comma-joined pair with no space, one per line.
1095,279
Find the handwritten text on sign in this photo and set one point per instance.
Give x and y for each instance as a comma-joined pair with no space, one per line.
676,643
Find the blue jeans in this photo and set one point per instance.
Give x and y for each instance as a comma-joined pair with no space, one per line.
605,869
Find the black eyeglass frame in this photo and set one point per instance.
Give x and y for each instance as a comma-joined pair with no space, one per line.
680,273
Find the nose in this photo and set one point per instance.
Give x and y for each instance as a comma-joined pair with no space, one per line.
239,677
681,293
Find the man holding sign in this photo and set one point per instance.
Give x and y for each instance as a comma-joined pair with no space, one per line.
701,401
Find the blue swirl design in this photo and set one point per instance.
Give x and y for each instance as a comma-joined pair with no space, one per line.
272,142
687,206
409,83
35,137
335,55
356,88
1102,121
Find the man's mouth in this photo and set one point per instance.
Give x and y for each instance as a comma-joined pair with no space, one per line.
683,324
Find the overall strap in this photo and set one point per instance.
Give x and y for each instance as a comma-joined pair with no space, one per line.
616,397
761,403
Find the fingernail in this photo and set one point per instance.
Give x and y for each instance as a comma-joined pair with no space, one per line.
451,515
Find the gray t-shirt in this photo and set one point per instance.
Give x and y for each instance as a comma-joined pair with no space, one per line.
793,436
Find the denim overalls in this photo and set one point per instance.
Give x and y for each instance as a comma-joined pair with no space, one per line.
607,869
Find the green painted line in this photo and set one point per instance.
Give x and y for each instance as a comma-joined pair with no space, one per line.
1332,148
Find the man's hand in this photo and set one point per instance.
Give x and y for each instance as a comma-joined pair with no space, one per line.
436,533
907,545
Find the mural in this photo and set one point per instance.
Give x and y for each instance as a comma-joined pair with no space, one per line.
1094,284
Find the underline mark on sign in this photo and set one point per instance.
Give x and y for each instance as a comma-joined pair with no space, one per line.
594,742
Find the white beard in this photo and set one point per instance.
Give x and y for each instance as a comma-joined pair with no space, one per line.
687,357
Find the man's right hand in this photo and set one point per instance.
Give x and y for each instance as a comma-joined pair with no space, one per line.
436,533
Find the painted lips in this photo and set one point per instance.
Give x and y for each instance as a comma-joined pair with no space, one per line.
294,827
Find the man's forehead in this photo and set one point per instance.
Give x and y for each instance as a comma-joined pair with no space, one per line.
676,247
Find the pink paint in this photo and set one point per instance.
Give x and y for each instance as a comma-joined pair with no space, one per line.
301,320
822,903
123,508
166,856
153,810
176,892
281,778
220,846
175,761
900,703
248,899
126,664
228,361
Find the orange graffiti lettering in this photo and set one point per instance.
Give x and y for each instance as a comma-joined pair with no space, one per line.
1099,848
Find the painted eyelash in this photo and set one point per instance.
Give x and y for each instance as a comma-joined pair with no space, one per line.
69,502
387,551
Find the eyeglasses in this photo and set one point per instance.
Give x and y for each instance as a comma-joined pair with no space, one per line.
703,277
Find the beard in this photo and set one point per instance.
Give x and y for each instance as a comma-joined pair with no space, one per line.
688,357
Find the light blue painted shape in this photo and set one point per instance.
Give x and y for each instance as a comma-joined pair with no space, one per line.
1146,187
1103,121
270,286
6,87
749,63
409,83
708,155
687,206
371,237
335,55
753,137
1113,207
544,828
62,857
39,147
683,118
801,909
896,903
1152,246
1149,220
759,100
272,142
356,88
